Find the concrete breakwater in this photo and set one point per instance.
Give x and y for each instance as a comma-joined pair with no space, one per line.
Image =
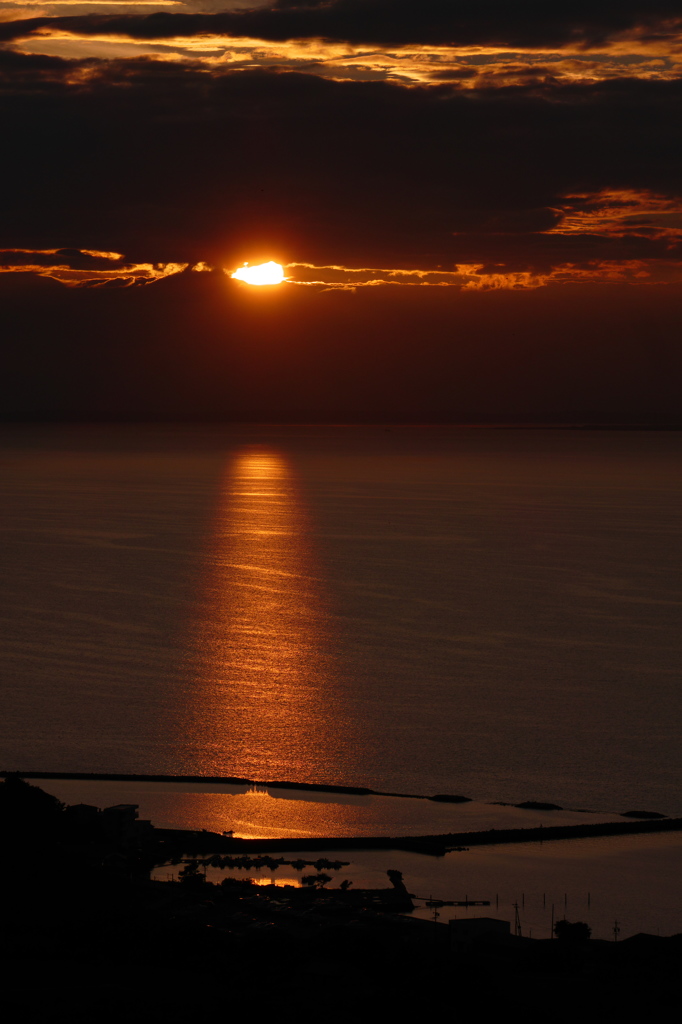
436,845
309,787
230,780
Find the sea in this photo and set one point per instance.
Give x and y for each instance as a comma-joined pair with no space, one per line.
479,611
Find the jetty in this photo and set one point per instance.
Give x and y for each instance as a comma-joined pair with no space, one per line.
434,845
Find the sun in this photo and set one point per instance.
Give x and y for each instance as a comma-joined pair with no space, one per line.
264,273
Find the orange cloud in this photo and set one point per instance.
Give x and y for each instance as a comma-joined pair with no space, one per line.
634,54
78,268
622,212
479,277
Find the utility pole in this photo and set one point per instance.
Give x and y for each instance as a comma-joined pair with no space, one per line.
436,915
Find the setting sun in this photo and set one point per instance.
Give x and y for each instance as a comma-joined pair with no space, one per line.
264,273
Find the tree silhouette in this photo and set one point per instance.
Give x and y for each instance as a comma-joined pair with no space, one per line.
28,811
396,879
319,881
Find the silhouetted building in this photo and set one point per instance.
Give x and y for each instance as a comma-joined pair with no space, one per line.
120,822
82,823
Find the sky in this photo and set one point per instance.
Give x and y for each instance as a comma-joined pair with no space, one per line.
477,205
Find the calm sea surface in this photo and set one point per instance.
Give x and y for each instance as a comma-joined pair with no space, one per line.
424,610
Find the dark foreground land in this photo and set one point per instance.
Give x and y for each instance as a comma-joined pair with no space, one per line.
88,936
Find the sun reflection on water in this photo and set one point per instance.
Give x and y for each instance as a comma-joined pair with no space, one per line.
279,881
263,699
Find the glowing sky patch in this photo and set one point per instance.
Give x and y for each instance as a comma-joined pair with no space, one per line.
263,273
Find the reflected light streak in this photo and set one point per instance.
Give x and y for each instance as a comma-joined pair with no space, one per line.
263,700
259,814
280,881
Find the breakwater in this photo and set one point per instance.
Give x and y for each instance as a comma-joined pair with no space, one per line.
435,845
356,791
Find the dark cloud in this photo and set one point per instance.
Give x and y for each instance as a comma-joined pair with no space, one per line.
167,161
527,23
